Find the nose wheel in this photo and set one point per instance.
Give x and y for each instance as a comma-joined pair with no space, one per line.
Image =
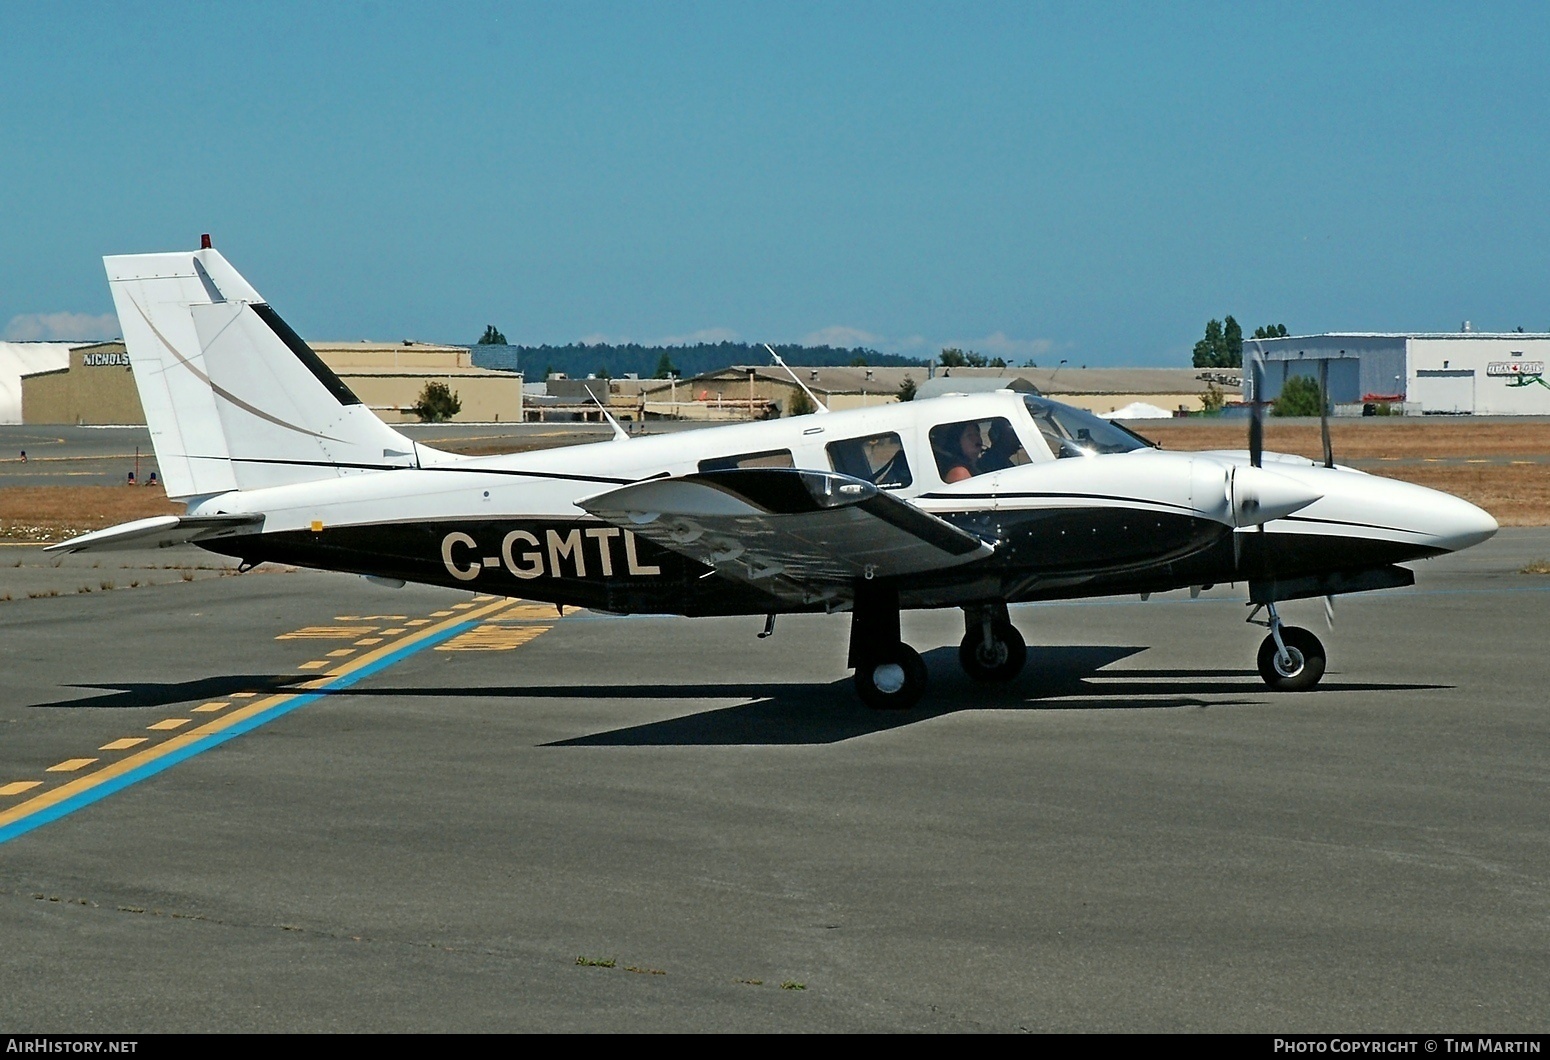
992,651
1291,659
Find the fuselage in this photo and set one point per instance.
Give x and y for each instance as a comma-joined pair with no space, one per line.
1070,506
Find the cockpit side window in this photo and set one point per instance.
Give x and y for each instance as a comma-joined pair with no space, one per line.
975,447
877,458
1073,432
769,458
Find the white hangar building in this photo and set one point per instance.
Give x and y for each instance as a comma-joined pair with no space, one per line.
1434,373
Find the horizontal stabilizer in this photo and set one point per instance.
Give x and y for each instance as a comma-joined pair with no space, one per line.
797,534
160,531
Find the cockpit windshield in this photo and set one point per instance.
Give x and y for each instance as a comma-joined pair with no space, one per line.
1073,432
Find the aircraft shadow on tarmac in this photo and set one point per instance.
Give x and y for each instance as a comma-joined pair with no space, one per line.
131,694
1057,678
1069,677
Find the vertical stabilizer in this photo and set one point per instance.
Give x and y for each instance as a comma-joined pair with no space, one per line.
233,397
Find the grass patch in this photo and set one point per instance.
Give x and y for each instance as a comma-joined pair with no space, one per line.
598,962
792,984
1539,566
643,971
50,513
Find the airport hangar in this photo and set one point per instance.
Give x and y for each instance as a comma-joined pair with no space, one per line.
97,387
1458,373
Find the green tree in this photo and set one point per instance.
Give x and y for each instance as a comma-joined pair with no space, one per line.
801,404
1208,349
952,357
1272,331
1232,343
1222,346
1300,396
1213,400
665,368
491,337
907,389
858,362
437,403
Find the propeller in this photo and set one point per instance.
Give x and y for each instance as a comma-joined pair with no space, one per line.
1329,450
1256,430
1257,406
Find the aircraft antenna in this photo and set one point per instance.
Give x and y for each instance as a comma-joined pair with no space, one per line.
620,435
819,405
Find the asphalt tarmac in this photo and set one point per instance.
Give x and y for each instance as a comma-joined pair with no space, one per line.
279,802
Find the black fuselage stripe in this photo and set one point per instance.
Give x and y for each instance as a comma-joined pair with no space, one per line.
1055,496
410,467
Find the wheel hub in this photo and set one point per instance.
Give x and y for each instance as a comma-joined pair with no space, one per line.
888,678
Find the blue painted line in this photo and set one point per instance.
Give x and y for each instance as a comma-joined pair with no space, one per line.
205,743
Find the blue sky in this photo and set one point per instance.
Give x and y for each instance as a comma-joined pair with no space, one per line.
1076,181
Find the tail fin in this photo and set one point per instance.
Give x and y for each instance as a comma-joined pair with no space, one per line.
233,397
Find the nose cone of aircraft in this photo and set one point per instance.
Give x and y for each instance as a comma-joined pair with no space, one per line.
1456,524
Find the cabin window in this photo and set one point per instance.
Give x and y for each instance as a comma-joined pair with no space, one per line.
975,447
769,458
877,458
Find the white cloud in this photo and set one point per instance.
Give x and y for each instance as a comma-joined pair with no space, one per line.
999,344
60,327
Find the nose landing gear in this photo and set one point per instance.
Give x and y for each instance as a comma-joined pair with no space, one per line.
1291,659
992,650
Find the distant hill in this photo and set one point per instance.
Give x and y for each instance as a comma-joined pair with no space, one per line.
579,360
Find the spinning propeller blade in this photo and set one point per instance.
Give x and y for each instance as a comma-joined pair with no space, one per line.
1257,406
1329,450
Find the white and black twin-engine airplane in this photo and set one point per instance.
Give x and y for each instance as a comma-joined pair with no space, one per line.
962,501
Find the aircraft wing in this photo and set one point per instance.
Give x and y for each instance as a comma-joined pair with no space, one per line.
160,531
795,533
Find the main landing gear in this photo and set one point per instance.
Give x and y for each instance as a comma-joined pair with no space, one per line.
890,675
1291,659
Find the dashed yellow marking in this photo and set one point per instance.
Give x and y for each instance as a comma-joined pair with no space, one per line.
340,653
491,637
440,614
370,618
123,745
211,708
364,641
522,611
1517,463
70,765
126,764
315,664
243,695
326,633
1476,461
462,607
393,632
418,622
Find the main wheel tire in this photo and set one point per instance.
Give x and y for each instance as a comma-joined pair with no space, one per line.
1005,660
1307,661
895,681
